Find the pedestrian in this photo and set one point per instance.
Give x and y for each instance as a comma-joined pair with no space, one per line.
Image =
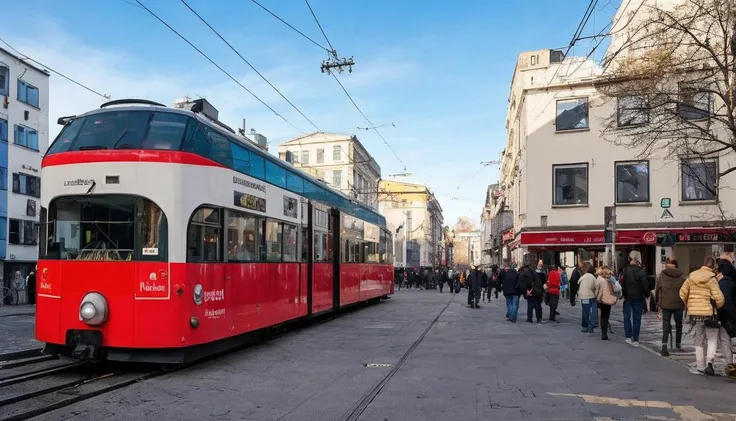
577,272
727,313
635,291
508,282
588,292
473,281
606,298
483,285
564,281
553,292
533,287
697,292
493,283
667,295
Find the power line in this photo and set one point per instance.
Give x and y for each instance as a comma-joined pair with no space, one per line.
320,26
217,65
250,65
368,120
80,84
290,26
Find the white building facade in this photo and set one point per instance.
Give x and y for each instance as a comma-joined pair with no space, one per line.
338,159
414,215
24,137
559,172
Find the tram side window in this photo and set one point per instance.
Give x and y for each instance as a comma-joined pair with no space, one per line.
290,236
241,236
275,174
204,236
273,241
153,228
220,147
197,141
294,182
371,252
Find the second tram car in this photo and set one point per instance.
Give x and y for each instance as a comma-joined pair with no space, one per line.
165,237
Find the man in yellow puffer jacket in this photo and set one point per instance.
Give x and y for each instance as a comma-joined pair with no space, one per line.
697,292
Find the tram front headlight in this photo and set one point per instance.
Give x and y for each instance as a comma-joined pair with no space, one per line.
93,310
198,294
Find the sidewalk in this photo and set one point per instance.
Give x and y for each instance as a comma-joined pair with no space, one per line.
19,310
650,336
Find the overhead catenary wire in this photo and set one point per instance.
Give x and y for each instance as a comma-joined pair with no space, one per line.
218,66
250,65
292,27
336,79
80,84
320,26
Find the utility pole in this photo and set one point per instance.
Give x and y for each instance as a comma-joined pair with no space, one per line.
609,218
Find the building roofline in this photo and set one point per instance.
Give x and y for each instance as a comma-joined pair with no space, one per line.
25,62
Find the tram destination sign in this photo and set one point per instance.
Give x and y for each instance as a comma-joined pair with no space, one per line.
248,201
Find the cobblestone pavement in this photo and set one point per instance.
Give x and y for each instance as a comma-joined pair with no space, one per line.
391,362
17,332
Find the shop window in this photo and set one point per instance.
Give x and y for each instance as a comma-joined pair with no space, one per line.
570,184
632,182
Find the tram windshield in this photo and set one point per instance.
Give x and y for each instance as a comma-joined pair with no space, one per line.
137,129
104,228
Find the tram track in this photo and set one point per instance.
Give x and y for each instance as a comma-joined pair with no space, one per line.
354,413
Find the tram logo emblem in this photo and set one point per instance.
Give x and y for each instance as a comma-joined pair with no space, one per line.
216,295
79,182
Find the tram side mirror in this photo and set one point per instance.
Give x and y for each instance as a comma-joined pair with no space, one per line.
63,121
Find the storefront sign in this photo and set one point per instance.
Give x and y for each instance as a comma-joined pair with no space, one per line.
627,237
507,235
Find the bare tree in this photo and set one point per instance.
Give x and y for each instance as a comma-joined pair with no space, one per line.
671,73
464,224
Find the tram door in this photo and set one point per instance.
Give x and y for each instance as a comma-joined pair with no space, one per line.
334,235
321,271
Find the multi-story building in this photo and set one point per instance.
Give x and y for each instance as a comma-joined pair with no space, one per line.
414,215
24,137
557,129
338,159
496,228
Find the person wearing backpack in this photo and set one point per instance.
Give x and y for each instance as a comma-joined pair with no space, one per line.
667,295
606,298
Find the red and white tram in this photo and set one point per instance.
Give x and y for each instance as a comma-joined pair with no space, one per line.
165,237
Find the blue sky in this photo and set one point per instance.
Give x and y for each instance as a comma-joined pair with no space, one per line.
439,70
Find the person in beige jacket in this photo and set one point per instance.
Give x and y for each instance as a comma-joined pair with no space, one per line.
697,292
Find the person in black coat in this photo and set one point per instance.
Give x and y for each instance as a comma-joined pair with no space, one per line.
475,277
727,313
508,283
574,278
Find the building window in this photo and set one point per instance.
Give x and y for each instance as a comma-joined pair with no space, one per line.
305,157
336,153
22,233
295,157
3,130
26,137
694,104
29,185
337,179
572,114
633,110
320,156
699,180
571,184
27,93
4,78
3,178
632,182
